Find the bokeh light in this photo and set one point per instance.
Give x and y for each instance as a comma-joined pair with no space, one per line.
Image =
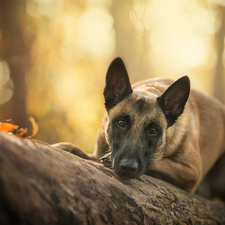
72,43
6,84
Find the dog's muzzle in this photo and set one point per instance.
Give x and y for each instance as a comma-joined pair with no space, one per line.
127,168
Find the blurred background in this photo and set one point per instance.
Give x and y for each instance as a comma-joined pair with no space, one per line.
54,55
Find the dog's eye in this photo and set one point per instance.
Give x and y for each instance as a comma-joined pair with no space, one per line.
121,123
153,130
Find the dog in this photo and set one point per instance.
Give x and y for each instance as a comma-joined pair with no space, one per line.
161,128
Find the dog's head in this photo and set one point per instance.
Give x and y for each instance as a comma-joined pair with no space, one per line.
138,119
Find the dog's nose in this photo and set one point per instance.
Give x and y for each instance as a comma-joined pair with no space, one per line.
128,167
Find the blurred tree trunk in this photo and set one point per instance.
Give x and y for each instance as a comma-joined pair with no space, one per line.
16,54
131,45
125,35
218,91
124,30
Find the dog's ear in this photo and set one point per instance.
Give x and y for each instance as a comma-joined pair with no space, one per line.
118,84
173,100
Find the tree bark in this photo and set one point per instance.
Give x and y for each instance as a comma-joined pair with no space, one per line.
42,185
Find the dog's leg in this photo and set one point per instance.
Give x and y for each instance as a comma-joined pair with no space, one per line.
68,147
213,185
101,148
182,175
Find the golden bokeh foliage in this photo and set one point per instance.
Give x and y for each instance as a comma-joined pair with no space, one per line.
70,44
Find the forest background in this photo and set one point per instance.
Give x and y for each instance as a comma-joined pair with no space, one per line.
54,55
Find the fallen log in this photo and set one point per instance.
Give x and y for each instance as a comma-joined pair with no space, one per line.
42,185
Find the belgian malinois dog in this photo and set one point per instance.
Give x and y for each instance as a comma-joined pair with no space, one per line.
158,127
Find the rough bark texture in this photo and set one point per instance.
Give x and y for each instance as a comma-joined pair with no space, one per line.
41,185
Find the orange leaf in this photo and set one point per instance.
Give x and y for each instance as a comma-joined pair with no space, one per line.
7,127
22,132
35,127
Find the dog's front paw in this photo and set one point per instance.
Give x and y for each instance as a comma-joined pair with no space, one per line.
68,147
106,160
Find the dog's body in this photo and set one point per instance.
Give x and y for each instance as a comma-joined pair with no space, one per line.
160,128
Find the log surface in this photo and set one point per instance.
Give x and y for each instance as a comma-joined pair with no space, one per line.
42,185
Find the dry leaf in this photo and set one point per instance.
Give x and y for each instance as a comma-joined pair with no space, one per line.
35,127
22,132
7,127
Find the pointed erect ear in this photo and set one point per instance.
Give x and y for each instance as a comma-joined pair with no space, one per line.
173,100
117,84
